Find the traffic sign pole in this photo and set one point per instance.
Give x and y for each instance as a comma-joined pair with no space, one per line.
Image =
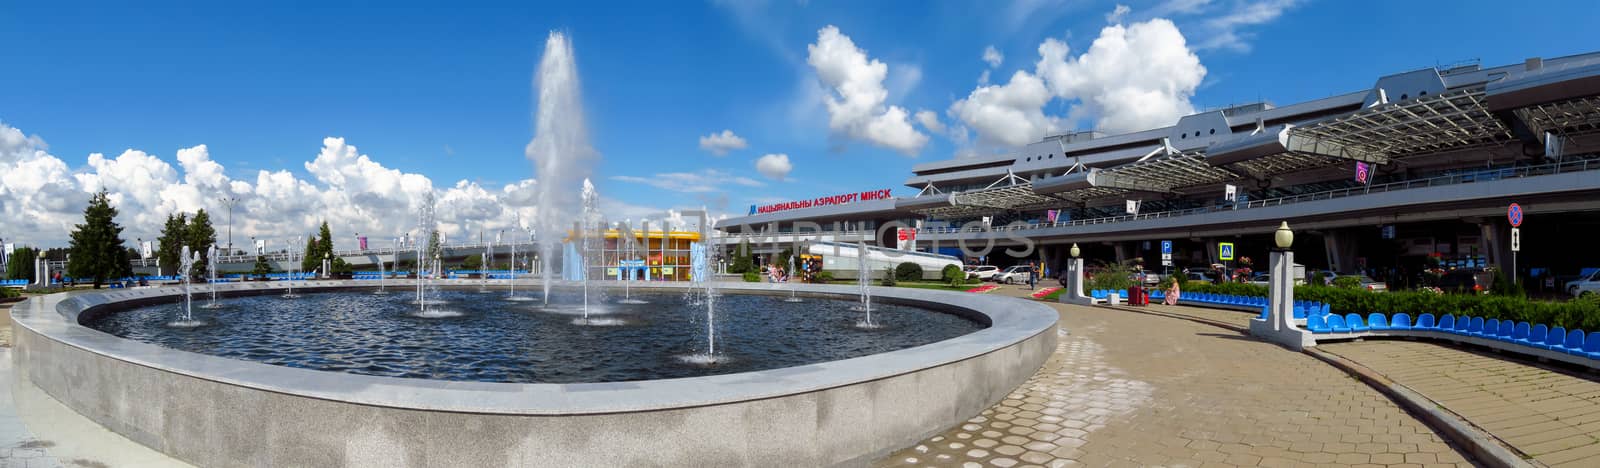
1514,215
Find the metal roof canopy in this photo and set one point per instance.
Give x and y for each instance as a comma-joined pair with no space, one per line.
1575,116
1453,120
1008,193
1165,173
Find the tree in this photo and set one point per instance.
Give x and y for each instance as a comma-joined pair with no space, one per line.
472,262
97,250
200,236
21,264
170,245
742,262
262,267
312,259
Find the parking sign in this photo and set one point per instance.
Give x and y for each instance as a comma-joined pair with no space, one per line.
1166,247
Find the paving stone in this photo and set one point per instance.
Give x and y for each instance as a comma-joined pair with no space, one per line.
1135,389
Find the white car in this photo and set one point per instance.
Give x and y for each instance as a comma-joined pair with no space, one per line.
982,272
1014,274
1585,286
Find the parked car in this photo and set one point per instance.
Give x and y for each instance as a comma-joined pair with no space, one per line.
1014,274
1199,276
1465,280
1370,284
1585,286
1146,277
1261,278
982,272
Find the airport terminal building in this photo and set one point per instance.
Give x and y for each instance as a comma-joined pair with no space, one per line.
1416,171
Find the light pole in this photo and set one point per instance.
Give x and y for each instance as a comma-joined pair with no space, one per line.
229,202
1278,326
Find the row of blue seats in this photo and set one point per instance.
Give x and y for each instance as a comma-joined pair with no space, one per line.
1558,339
1105,293
1302,309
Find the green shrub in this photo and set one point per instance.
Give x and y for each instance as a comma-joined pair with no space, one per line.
752,277
1502,286
1347,282
823,276
9,292
889,274
908,271
1576,314
952,275
1114,277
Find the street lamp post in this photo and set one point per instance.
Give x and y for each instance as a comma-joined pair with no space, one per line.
1278,326
229,202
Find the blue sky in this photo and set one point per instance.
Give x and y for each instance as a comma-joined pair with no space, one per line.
447,92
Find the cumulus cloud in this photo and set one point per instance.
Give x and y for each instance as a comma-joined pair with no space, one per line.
930,120
856,98
992,56
721,143
774,166
1010,114
1132,77
41,198
707,180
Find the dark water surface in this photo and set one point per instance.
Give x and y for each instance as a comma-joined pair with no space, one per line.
493,340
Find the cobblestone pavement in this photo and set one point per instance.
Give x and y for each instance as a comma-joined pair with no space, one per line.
1553,416
1132,389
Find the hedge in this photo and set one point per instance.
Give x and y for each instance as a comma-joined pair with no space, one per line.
1576,314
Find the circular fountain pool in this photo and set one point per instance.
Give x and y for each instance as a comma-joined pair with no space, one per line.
475,336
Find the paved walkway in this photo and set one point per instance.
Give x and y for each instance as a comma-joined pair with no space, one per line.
36,431
1127,389
1552,416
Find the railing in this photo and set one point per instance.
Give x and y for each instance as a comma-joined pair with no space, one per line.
1486,175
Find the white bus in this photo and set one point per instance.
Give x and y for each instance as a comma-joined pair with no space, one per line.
840,258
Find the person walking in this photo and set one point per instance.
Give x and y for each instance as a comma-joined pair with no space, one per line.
1033,276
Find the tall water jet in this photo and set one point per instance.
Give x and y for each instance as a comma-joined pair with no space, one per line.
864,277
560,148
383,273
294,267
211,275
789,275
588,230
186,262
426,230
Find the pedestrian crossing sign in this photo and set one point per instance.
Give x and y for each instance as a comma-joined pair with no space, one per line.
1225,251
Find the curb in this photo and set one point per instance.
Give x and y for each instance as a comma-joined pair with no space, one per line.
1483,446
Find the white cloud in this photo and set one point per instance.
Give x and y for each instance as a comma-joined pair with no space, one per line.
41,199
992,56
1010,114
983,78
930,120
1117,14
1222,32
1132,77
774,166
721,143
856,98
707,180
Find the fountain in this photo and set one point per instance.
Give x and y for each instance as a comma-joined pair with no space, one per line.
429,259
864,278
631,253
512,296
383,273
211,277
186,260
294,267
560,148
790,275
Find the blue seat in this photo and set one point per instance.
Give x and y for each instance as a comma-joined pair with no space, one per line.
1336,324
1591,345
1425,321
1520,333
1355,323
1507,328
1377,321
1491,328
1447,323
1326,309
1536,336
1474,327
1401,321
1574,343
1266,313
1557,336
1317,324
1299,312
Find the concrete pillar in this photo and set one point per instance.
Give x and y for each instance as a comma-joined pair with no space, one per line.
1122,251
1490,244
1074,292
1211,252
1278,327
